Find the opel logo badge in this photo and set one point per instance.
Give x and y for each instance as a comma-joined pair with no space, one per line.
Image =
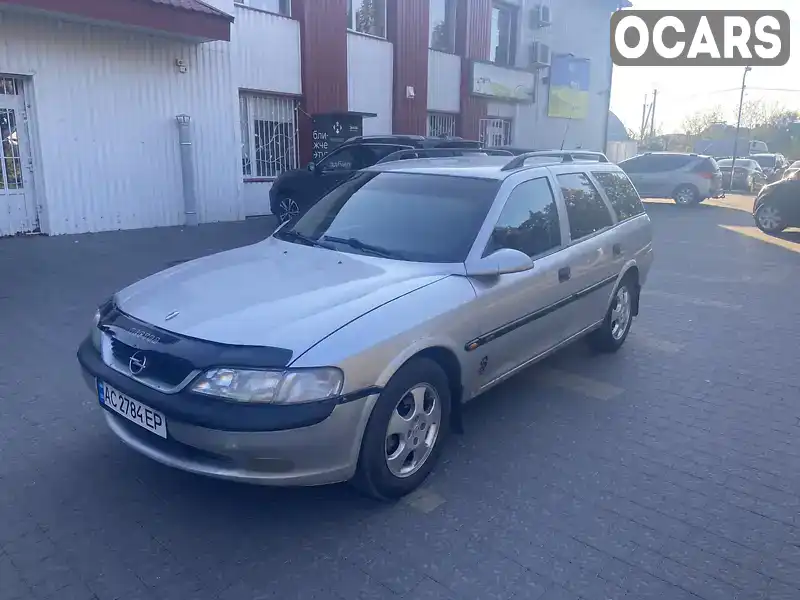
137,363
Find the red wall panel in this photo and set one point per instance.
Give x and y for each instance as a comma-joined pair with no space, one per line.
473,36
408,31
323,47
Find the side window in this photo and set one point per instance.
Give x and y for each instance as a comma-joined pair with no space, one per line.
372,153
529,220
632,165
345,159
670,162
621,193
586,211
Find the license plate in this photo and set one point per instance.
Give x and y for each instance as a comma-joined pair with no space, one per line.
131,409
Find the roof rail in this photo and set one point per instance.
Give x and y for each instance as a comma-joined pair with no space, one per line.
566,156
437,152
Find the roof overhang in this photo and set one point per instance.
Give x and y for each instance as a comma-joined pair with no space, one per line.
191,19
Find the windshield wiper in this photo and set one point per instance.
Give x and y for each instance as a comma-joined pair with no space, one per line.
363,246
299,237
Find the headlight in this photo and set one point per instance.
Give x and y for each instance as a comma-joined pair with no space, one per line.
271,387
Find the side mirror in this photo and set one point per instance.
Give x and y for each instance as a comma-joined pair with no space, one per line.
500,262
312,167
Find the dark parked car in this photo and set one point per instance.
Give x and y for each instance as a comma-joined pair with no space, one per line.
294,192
747,174
686,178
777,206
773,165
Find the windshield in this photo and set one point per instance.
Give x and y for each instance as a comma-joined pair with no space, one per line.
415,217
765,161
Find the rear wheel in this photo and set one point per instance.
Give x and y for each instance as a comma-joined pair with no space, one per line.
686,195
769,219
405,432
614,330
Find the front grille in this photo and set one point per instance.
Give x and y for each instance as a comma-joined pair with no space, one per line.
160,367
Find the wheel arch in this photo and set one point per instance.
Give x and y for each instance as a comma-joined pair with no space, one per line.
629,272
447,359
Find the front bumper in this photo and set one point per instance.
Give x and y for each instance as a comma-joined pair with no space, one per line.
319,444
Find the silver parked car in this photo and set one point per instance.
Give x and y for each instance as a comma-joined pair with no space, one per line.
343,346
687,178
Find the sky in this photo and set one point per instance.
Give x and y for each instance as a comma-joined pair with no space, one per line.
683,91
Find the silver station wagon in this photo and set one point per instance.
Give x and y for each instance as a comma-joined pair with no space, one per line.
343,346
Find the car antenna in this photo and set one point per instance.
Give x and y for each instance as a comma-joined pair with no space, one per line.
566,130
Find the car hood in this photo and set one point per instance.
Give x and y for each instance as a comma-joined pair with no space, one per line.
272,293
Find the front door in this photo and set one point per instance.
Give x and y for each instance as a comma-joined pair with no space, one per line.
518,312
17,206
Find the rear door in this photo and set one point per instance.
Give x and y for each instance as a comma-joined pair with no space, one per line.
593,253
664,175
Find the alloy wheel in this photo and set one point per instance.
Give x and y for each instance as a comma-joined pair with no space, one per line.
685,196
288,210
769,218
413,430
620,313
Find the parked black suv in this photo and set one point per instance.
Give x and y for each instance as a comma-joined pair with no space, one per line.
294,192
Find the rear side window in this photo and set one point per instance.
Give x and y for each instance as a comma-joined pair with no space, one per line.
669,162
621,193
529,220
706,165
586,211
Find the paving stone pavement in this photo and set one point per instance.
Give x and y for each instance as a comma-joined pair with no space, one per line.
669,470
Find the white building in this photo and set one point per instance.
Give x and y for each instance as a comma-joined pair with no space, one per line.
90,92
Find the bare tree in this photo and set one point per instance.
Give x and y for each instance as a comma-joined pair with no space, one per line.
758,113
698,122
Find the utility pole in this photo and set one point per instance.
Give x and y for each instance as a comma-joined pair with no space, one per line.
644,119
738,125
653,116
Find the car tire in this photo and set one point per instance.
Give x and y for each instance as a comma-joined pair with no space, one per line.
686,195
768,219
614,330
286,209
405,416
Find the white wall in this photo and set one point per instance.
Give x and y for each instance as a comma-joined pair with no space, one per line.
579,27
105,138
582,28
265,50
444,82
370,67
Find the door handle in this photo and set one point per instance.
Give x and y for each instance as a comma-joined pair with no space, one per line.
617,249
563,274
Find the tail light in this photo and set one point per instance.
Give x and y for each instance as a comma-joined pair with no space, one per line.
707,174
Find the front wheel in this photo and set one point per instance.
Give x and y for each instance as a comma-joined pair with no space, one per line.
287,209
405,432
686,195
769,219
614,330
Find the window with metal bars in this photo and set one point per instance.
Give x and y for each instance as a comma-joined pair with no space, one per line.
9,86
269,135
441,125
495,132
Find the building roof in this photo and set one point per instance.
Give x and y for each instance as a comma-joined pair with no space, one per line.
193,19
193,5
